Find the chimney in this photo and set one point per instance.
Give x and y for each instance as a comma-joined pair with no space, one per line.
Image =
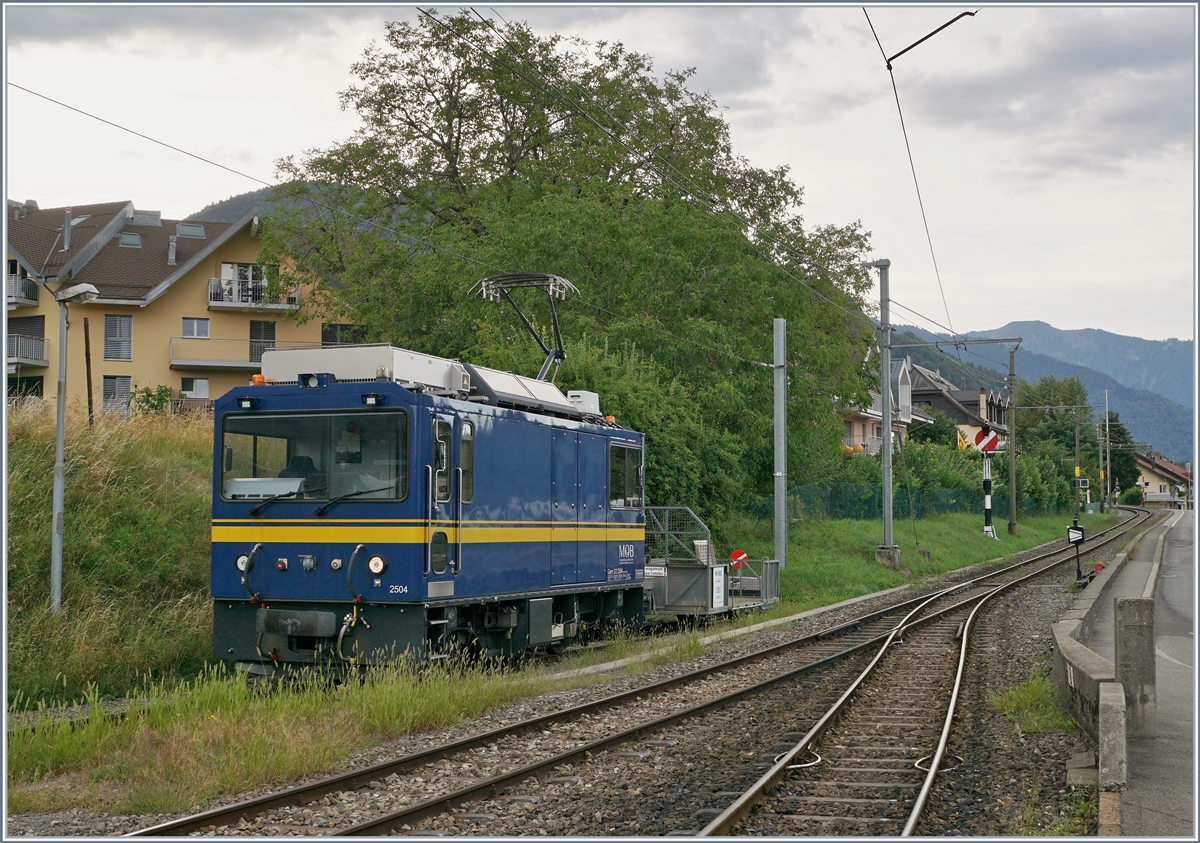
66,230
171,251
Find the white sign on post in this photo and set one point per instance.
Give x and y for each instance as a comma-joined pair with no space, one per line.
718,600
1075,535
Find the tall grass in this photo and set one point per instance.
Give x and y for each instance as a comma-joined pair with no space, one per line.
135,552
217,735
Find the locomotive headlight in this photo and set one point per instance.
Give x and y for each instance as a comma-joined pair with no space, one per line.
242,562
376,565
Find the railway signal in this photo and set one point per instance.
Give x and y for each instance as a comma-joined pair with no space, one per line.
986,441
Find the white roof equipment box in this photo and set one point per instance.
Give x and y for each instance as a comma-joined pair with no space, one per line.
368,363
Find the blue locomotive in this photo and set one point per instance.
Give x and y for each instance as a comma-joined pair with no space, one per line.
371,502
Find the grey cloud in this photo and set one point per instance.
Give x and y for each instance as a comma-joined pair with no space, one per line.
242,25
1093,89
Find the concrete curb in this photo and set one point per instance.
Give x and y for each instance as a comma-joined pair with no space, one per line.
1152,580
733,633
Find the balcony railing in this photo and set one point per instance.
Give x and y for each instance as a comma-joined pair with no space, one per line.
866,444
239,294
21,292
217,353
27,351
191,407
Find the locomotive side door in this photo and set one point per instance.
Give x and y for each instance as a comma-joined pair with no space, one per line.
593,501
444,508
564,507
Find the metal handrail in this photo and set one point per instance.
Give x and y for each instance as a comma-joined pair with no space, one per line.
29,348
20,287
248,292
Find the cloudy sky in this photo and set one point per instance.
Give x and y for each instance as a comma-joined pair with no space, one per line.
1055,147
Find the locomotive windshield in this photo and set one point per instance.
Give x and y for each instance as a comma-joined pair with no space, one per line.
315,457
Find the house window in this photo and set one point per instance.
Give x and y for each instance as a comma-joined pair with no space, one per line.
243,272
118,337
1162,487
132,239
115,394
15,270
849,433
189,229
197,328
262,337
193,388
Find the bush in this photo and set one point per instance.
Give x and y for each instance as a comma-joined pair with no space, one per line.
1133,497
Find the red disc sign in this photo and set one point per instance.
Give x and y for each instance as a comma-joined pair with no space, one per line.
986,440
738,558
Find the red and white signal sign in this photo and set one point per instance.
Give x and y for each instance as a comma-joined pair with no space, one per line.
986,440
738,559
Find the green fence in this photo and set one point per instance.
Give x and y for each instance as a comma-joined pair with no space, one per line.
849,500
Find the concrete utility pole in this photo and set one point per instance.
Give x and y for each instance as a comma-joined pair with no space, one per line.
1012,442
1107,455
781,442
1077,468
887,552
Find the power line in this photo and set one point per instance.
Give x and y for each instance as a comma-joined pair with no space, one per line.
283,190
920,202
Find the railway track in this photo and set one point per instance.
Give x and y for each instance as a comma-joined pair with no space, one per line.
700,724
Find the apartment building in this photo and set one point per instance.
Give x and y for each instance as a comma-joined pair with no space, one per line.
181,302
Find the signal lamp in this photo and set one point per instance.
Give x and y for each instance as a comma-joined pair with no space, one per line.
242,562
376,565
372,400
246,402
257,380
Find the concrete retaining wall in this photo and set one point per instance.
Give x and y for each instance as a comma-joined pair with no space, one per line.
1086,681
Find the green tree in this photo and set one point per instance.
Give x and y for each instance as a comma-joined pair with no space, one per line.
1124,456
942,431
547,154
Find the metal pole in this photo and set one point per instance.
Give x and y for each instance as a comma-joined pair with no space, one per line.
1107,454
988,529
1012,442
87,362
56,536
885,393
781,442
1076,468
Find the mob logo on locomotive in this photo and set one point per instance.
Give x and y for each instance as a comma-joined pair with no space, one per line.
371,503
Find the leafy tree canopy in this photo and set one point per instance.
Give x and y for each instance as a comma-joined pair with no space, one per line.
488,148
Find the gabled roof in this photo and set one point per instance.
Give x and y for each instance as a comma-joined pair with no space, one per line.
137,274
1164,468
35,235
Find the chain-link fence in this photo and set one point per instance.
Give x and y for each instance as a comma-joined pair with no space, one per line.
850,500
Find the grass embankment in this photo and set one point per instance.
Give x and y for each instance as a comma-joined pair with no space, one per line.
136,615
135,553
829,561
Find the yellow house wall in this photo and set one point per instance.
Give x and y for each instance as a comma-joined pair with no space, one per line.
156,323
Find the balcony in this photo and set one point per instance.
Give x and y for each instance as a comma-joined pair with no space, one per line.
26,351
202,407
864,444
233,294
231,355
20,292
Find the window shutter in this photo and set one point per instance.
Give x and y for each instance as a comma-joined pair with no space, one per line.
118,337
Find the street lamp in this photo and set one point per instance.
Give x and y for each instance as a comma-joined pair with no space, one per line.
78,293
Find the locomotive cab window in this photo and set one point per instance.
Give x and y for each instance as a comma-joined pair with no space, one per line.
442,432
624,477
466,460
315,457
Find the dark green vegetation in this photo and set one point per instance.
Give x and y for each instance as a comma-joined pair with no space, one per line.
578,159
1034,706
